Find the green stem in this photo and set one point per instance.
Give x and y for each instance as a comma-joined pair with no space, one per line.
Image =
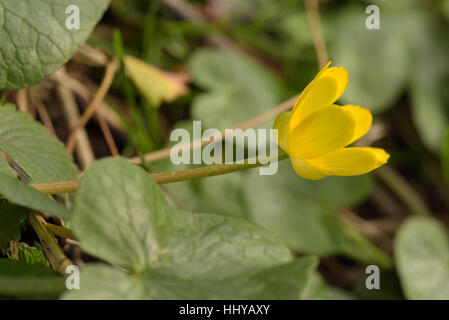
403,190
168,177
61,231
54,253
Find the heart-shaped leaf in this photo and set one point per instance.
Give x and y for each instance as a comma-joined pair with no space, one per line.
122,216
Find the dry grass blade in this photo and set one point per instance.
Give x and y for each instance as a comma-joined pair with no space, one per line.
111,69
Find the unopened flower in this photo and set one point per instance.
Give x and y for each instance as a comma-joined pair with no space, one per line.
316,133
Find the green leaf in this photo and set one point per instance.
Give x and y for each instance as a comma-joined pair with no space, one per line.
32,255
18,279
291,281
23,195
430,75
445,8
122,216
12,218
335,293
42,157
300,211
6,168
238,87
134,226
422,259
12,268
35,39
369,55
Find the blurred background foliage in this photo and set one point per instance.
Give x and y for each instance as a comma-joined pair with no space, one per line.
227,61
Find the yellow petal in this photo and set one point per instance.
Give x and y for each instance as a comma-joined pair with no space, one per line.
324,131
381,156
363,120
323,91
305,92
341,76
350,161
282,124
304,169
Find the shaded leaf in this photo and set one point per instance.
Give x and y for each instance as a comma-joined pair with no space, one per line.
429,77
377,60
422,258
12,218
238,87
300,211
18,279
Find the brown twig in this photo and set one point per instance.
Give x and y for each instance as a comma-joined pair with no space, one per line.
44,116
313,17
54,253
84,152
107,134
23,102
106,83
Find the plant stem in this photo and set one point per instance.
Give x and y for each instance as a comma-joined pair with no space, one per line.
54,253
106,83
61,231
313,17
403,190
168,177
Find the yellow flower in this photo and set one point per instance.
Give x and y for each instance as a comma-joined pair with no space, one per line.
316,133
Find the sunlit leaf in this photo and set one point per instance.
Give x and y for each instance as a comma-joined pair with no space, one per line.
35,39
155,85
172,254
41,156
